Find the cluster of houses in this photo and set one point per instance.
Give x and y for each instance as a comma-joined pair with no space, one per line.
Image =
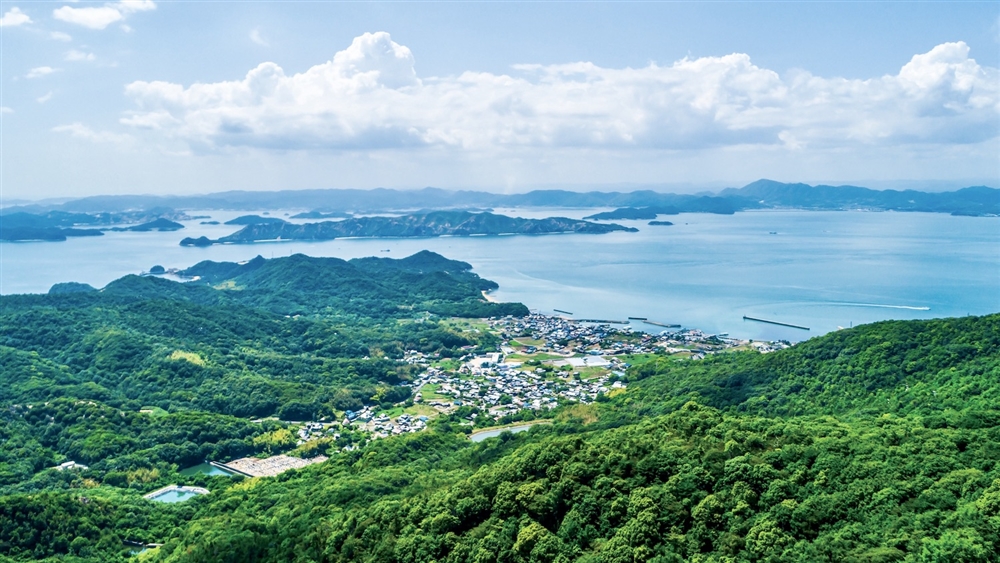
315,430
382,426
503,383
565,336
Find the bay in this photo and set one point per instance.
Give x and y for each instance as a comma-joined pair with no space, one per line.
821,270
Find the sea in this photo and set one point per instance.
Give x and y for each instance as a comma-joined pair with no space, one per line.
818,270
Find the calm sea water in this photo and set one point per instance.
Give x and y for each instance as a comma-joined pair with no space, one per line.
822,270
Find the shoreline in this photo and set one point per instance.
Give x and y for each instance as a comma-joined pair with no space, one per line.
488,297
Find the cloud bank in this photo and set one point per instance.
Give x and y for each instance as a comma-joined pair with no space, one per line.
370,97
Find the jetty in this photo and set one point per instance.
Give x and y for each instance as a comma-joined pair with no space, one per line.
599,321
637,318
665,325
746,318
563,312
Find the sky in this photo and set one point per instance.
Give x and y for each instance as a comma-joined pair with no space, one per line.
167,97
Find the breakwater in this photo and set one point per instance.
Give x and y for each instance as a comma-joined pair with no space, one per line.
746,318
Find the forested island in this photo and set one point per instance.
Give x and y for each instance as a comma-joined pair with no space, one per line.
59,225
444,212
431,224
876,443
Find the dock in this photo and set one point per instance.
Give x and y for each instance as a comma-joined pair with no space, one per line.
563,312
746,318
637,318
666,325
599,321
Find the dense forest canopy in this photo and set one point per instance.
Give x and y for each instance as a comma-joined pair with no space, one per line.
877,443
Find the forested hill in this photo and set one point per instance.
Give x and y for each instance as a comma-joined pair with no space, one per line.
862,479
926,368
246,340
365,287
879,443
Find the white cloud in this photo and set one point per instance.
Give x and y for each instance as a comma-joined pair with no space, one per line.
14,17
94,17
45,98
256,38
75,56
369,96
100,17
5,109
60,36
81,131
40,71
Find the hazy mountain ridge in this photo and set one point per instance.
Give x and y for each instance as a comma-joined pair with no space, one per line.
974,200
761,193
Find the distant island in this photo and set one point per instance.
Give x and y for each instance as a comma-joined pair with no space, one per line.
161,224
49,234
660,223
200,241
90,215
55,225
434,224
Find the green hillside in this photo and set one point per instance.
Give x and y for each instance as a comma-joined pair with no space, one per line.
878,443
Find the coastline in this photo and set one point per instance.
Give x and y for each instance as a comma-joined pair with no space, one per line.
488,297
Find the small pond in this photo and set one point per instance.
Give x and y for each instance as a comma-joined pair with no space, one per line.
173,493
205,469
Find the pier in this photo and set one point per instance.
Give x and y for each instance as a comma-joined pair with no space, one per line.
637,318
665,325
599,321
563,312
746,318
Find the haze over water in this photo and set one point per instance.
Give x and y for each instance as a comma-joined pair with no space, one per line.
822,270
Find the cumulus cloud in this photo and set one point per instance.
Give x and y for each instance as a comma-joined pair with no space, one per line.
14,17
40,71
76,56
100,17
369,96
45,98
60,36
81,131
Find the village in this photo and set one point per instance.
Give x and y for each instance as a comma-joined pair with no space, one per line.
543,361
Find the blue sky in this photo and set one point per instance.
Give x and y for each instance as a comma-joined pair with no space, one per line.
192,97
